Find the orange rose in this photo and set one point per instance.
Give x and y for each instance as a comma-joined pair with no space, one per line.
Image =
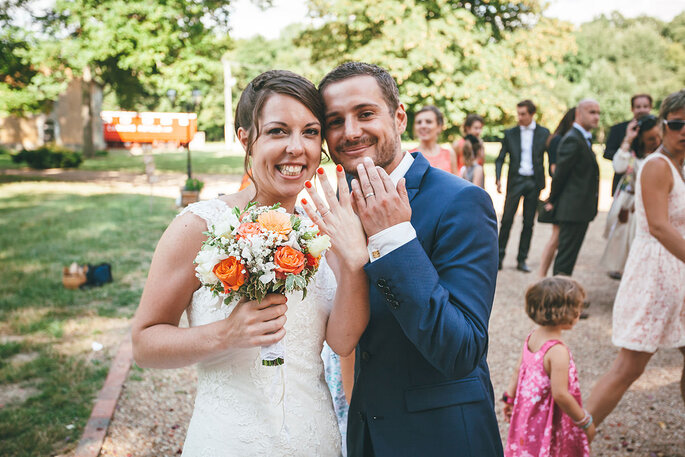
312,262
275,221
288,260
232,273
248,228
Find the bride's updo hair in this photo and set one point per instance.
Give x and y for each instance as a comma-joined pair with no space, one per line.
259,90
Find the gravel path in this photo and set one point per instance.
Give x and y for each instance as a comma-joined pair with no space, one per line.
156,405
154,409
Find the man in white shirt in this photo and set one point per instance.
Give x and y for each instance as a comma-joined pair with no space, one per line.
525,144
422,385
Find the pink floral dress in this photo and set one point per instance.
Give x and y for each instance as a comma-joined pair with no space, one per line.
539,428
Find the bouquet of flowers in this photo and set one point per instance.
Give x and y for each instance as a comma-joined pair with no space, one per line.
260,250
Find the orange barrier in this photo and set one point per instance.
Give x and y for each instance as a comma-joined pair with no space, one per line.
135,127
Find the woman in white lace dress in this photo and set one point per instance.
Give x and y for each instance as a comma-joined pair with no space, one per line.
649,310
243,408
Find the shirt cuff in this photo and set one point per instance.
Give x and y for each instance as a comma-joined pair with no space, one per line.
388,240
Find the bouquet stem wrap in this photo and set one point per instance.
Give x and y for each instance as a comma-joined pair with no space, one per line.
273,354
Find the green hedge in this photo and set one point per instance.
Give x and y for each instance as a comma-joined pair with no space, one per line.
48,157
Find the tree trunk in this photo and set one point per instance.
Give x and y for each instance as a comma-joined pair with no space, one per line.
87,113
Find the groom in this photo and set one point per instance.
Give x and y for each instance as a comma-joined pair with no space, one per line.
422,383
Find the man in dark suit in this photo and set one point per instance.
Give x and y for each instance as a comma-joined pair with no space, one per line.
525,144
422,385
640,105
575,186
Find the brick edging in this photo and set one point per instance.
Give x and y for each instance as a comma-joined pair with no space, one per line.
94,434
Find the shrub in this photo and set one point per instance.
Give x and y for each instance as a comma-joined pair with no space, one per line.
48,157
193,184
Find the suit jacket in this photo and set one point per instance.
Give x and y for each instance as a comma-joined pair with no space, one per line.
511,144
616,134
422,383
575,185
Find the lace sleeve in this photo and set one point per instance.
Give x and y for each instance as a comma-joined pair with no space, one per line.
208,210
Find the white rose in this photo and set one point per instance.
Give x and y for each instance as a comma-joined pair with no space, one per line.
206,259
223,226
318,245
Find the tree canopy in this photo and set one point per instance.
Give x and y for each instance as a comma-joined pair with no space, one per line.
476,56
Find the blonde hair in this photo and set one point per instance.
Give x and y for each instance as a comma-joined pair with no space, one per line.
555,301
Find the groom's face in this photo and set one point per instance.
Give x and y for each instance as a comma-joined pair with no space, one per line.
360,124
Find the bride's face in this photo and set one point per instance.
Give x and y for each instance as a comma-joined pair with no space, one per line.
287,151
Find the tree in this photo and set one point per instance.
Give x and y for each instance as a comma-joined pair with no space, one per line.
460,56
136,50
617,57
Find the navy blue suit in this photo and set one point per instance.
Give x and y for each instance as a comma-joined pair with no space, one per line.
422,385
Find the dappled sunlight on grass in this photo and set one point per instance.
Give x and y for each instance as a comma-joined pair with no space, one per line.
45,226
214,162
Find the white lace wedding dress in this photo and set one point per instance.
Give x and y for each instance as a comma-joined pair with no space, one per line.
245,409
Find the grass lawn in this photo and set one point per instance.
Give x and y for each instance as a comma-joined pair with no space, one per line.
203,162
46,331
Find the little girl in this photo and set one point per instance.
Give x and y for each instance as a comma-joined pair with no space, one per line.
543,402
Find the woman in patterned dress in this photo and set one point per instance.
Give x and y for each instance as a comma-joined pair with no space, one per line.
649,310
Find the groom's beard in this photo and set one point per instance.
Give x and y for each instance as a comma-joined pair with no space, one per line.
384,155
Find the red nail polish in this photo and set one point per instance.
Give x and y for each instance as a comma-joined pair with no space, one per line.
304,201
308,184
319,170
339,168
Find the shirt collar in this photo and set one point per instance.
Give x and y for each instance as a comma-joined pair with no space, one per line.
530,126
401,168
585,133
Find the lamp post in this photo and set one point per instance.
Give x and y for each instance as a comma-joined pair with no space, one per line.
196,95
229,82
171,95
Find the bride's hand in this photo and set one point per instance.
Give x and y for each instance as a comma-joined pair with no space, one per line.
254,323
337,219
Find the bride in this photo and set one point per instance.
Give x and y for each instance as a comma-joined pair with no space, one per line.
242,407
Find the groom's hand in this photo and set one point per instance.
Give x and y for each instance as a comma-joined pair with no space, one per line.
378,203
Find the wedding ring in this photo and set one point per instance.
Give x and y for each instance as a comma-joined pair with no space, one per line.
325,212
370,194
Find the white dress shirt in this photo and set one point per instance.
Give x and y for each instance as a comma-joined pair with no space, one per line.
391,238
526,165
586,134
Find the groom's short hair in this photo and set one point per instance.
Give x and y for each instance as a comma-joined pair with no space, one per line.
387,83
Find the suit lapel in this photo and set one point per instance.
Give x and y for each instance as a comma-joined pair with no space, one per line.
516,136
536,138
414,175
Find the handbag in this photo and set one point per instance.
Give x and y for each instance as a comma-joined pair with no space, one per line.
544,216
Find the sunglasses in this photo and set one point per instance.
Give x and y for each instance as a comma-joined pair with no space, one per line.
675,125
